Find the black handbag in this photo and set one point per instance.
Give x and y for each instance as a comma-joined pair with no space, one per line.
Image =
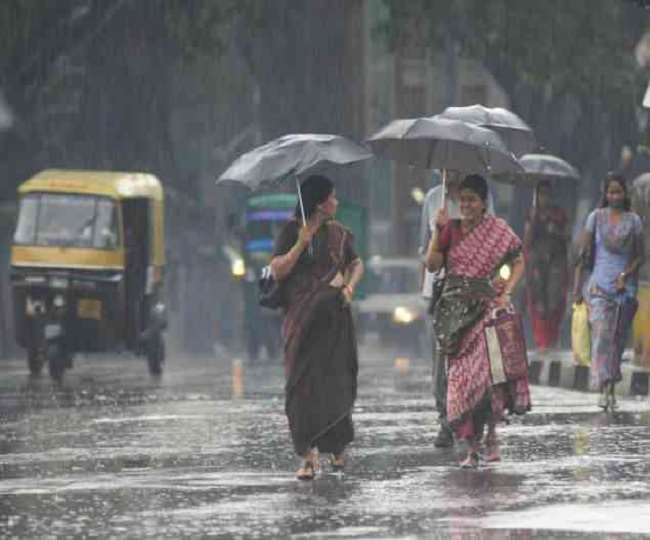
270,293
436,290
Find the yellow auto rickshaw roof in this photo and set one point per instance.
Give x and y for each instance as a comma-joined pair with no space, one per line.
117,185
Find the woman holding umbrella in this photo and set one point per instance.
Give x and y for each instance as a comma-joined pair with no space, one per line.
612,248
547,278
319,339
474,249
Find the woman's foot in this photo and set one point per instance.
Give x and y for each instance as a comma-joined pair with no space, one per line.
613,405
603,399
492,450
471,461
309,467
337,461
306,472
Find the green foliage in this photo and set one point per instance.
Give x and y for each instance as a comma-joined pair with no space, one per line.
199,27
581,47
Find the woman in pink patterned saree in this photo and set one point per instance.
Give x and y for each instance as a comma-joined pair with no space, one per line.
474,249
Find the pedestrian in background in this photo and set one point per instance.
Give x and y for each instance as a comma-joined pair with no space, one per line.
433,202
318,269
547,276
475,248
612,247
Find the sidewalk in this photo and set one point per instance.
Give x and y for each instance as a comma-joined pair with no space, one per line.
556,368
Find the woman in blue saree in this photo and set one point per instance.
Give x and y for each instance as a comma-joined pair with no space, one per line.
612,248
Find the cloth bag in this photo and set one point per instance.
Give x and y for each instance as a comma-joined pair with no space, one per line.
580,334
506,346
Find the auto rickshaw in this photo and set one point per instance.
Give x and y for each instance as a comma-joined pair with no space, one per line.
641,330
87,267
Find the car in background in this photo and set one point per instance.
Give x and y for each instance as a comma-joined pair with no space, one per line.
393,308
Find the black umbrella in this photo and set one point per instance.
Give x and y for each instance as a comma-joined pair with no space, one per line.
517,135
293,155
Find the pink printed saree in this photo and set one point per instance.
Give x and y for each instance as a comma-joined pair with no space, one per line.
461,315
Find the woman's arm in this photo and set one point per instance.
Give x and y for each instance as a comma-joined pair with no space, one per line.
434,259
282,265
635,263
509,285
354,273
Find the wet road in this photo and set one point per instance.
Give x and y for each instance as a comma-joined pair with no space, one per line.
205,451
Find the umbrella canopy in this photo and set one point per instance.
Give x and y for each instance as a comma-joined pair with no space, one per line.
517,135
548,167
441,143
292,155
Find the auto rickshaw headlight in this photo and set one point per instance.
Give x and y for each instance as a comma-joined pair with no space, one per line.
238,268
59,283
59,301
403,315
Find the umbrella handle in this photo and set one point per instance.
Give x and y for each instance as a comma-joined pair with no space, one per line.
444,188
302,212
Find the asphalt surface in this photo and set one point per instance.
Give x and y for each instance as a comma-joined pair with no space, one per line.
204,451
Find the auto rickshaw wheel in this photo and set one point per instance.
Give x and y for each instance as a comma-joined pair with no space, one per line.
35,360
156,354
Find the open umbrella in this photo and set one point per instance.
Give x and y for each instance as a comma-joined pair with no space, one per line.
517,135
440,143
294,156
545,167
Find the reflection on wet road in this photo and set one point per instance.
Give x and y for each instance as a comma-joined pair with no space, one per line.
205,451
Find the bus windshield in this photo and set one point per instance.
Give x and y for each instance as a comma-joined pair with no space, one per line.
83,221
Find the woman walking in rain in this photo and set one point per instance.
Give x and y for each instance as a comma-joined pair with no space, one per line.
547,276
611,246
474,249
319,340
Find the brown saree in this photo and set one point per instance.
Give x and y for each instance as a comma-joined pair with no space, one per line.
319,342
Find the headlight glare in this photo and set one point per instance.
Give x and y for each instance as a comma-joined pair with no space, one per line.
403,315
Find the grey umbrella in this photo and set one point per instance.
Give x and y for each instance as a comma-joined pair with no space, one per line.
440,143
547,167
517,135
294,156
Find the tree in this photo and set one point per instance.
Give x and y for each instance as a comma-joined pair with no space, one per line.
568,67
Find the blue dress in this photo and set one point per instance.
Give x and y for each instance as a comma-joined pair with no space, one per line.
611,312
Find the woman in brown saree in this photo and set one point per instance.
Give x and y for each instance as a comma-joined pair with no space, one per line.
319,269
474,249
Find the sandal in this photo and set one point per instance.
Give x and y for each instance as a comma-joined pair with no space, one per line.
603,399
307,471
493,453
470,462
337,462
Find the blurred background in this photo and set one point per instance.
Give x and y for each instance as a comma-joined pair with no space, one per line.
180,88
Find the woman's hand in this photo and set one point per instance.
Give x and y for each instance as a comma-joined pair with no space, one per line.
577,297
441,219
348,293
620,282
306,235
